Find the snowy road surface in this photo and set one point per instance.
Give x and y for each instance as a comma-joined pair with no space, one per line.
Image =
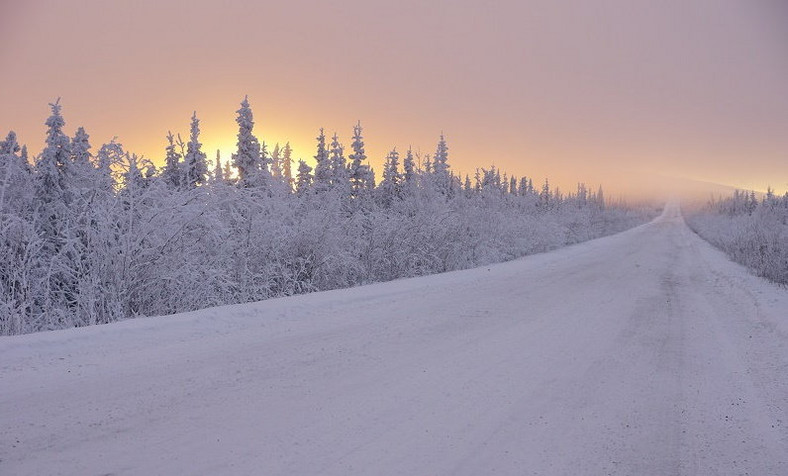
644,353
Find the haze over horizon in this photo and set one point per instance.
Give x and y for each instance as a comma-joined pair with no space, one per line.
603,92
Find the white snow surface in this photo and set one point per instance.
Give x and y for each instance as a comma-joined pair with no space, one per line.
643,353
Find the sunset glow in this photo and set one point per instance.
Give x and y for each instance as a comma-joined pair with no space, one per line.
608,93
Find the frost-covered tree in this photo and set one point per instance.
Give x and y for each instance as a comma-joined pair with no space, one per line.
265,160
600,198
440,167
53,222
80,152
340,175
9,148
581,196
360,173
467,187
304,178
409,168
247,157
19,245
109,156
545,197
287,167
172,163
51,189
389,189
218,172
323,170
276,162
15,178
196,168
133,178
54,163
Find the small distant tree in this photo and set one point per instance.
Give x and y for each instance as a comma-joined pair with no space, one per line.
304,178
15,178
409,168
440,167
360,173
390,186
194,162
218,173
467,187
108,157
545,196
80,154
276,162
322,164
339,172
287,167
172,163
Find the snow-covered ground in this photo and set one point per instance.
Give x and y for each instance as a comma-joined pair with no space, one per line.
646,353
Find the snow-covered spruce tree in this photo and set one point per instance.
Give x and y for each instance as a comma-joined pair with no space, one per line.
287,167
81,161
546,197
55,284
19,244
276,162
196,168
389,189
522,187
304,178
582,194
467,187
108,157
440,168
599,198
359,171
247,158
280,184
323,170
409,171
15,178
340,179
265,163
53,166
218,172
10,148
172,173
80,148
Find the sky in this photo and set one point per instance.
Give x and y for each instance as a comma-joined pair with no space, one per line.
605,92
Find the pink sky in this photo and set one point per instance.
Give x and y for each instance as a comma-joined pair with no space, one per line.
600,91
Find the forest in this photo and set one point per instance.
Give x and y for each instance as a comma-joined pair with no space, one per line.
752,231
94,237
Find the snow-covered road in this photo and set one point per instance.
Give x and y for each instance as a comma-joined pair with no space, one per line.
644,353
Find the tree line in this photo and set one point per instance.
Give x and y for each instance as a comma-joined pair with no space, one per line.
752,231
89,238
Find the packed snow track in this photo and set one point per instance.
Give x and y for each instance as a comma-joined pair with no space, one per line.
643,353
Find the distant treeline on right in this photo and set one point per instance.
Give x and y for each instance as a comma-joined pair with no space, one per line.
752,231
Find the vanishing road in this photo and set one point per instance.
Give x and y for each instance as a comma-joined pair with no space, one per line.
643,353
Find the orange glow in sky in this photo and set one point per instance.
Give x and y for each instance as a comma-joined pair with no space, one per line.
605,92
